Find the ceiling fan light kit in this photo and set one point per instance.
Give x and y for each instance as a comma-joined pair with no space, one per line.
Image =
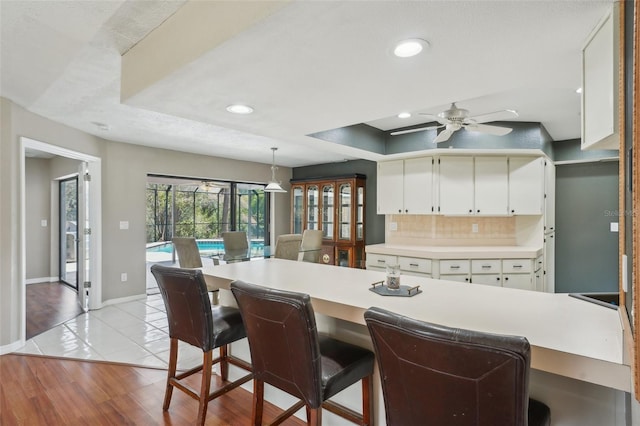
456,118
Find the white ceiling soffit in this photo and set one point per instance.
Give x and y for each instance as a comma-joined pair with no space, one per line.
305,67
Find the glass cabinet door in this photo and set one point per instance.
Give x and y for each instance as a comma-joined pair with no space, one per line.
360,213
344,212
328,211
312,207
297,205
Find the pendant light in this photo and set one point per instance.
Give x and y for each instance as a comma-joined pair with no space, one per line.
273,185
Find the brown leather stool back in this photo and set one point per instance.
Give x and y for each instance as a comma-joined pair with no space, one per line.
287,352
436,375
192,320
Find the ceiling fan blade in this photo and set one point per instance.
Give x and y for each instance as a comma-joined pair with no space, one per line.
419,129
485,128
505,114
443,136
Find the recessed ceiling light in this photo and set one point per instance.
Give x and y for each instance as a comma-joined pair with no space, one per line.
240,109
404,115
410,47
579,90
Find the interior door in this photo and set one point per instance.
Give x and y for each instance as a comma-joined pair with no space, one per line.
68,248
84,236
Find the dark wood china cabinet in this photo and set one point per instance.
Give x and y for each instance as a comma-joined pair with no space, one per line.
335,205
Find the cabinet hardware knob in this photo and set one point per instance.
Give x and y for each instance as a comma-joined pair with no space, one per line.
478,211
470,210
506,278
497,278
513,211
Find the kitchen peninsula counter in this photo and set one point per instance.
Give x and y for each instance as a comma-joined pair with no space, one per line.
577,355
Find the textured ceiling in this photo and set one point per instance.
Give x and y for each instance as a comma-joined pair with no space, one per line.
306,67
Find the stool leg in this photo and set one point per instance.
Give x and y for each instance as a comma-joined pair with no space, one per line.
171,372
367,400
207,365
258,402
315,416
224,363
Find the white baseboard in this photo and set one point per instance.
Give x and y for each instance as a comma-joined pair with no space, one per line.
11,347
123,299
42,280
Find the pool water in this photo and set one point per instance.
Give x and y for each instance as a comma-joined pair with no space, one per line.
210,247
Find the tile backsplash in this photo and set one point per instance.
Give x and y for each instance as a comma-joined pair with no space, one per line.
450,230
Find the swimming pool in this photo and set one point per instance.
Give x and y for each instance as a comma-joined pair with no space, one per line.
205,247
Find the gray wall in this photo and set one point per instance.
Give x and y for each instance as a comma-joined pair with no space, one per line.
586,251
374,227
38,207
124,171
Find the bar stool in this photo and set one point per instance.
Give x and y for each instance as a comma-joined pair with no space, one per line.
287,352
437,375
192,320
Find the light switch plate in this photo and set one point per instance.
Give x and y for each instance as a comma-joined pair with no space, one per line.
613,226
393,226
43,223
124,224
474,227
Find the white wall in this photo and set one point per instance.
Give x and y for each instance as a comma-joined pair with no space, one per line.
124,171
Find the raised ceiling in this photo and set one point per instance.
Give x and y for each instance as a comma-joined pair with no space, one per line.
304,66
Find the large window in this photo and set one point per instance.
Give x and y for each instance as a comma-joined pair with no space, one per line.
204,209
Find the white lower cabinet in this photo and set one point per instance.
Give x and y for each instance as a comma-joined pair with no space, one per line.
455,270
486,271
524,274
518,273
415,266
379,262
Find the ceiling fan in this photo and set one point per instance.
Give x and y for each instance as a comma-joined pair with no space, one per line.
456,118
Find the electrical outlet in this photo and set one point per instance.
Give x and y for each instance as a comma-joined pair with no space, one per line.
393,226
474,228
123,277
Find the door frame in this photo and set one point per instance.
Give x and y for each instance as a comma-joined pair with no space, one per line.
95,207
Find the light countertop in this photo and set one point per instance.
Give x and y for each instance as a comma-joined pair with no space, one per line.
569,337
456,252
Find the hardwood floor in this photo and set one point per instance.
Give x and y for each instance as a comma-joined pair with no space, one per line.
37,390
47,305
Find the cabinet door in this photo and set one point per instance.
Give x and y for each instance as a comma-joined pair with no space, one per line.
345,211
313,207
521,281
526,182
418,186
456,185
390,187
487,279
491,186
328,211
297,207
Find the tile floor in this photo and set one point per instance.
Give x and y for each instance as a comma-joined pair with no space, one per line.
132,332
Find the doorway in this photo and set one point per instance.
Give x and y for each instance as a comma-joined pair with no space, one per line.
68,226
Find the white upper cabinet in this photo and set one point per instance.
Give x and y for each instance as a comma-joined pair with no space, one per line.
526,185
390,187
405,186
600,76
456,185
418,185
491,186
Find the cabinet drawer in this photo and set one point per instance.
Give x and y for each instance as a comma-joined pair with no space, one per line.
510,266
454,267
381,260
539,262
485,266
414,264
